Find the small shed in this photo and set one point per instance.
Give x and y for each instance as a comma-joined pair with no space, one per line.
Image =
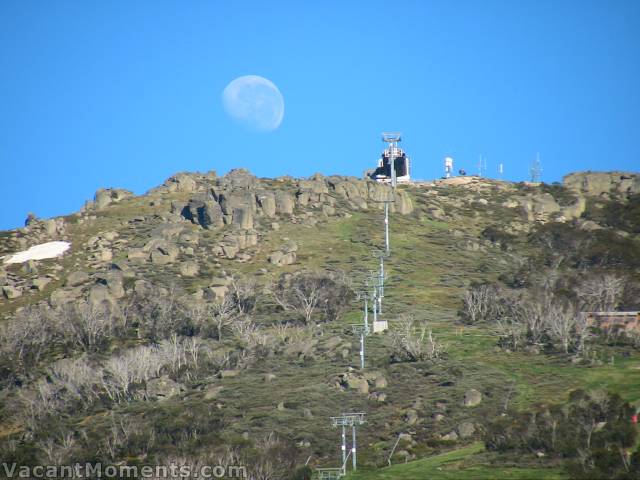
625,321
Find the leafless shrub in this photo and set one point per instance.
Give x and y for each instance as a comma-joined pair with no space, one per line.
90,325
57,450
511,331
243,294
25,338
77,378
219,359
287,333
157,314
478,302
413,340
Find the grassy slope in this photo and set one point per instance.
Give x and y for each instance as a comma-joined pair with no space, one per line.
429,268
467,462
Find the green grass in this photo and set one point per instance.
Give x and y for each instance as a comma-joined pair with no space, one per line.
467,462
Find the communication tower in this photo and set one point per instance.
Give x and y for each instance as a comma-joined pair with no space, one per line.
535,172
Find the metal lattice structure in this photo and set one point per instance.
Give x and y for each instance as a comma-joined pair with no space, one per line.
329,473
535,172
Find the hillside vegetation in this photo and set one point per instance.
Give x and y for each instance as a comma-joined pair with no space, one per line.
209,322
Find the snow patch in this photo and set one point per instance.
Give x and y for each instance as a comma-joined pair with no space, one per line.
39,252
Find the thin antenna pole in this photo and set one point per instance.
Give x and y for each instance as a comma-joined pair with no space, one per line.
353,447
366,311
375,304
362,350
386,228
381,281
344,447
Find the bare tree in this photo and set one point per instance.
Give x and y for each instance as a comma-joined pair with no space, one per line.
306,296
602,292
561,321
310,292
222,314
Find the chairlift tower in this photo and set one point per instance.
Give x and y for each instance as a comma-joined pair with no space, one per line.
343,421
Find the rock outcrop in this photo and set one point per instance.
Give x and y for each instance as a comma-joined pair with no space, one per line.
595,184
106,196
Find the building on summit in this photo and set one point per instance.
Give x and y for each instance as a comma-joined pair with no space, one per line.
393,166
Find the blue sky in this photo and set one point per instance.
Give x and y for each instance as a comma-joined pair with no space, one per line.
123,94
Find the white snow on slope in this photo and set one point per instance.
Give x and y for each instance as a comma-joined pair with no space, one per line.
39,252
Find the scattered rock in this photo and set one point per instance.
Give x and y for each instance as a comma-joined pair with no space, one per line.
189,269
40,283
381,382
106,196
243,217
76,278
466,429
212,391
284,203
181,182
164,253
472,397
206,213
11,292
451,436
162,388
411,417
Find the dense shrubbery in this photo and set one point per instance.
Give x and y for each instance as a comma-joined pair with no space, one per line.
582,249
496,235
619,215
313,295
85,357
593,432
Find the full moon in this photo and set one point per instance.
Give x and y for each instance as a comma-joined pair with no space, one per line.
254,102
